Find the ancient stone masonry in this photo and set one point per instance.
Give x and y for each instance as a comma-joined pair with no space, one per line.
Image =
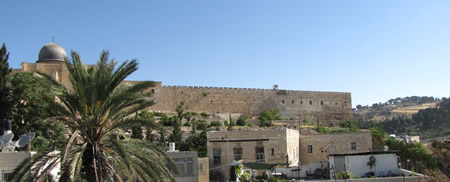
325,107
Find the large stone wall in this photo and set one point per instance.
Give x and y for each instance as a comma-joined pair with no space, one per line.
314,106
324,107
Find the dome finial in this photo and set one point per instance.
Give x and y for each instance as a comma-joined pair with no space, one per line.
53,39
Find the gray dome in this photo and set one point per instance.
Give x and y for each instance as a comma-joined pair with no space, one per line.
52,52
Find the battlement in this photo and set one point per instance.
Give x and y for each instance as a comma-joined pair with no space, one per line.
246,89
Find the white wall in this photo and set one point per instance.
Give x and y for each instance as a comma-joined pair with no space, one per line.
357,164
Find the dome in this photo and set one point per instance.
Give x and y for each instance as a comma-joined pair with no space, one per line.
52,52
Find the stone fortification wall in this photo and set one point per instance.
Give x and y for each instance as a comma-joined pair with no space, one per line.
324,107
311,105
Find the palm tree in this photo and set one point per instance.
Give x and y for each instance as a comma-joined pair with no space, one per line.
94,110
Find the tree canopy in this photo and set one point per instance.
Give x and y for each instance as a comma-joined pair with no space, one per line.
93,111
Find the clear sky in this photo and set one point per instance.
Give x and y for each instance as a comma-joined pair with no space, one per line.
375,49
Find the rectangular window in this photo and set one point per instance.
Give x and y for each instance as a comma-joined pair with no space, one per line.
273,151
259,154
217,156
201,167
353,145
310,149
185,166
238,153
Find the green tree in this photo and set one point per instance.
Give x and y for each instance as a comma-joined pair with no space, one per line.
378,137
372,162
196,142
29,113
4,90
180,110
241,120
176,135
267,116
349,124
93,110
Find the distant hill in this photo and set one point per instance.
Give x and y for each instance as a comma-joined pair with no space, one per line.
394,108
416,116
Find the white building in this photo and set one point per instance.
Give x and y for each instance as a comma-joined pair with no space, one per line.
357,164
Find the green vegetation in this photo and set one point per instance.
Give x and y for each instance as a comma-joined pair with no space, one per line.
442,152
427,123
267,116
176,135
414,156
30,113
372,162
344,175
204,114
321,129
93,112
349,124
4,89
195,142
241,120
215,123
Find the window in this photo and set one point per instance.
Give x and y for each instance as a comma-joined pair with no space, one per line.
292,101
310,102
282,101
238,153
301,102
273,151
353,146
217,155
185,166
321,102
201,167
309,149
259,154
345,103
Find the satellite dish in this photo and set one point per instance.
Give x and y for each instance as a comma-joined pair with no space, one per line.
24,140
5,139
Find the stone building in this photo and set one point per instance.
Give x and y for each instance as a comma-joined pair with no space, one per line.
274,146
190,167
315,149
328,108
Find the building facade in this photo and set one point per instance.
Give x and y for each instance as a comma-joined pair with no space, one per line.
316,148
273,146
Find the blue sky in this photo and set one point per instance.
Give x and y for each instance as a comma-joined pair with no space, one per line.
376,50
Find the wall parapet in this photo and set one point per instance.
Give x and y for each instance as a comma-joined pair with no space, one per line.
251,89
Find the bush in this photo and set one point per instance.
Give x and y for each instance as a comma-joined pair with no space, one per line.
321,129
241,120
215,123
204,114
201,124
269,115
344,175
187,124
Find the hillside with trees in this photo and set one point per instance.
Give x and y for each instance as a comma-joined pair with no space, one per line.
433,120
393,108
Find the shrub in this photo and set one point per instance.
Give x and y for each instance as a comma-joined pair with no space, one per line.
241,120
215,123
321,129
204,114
